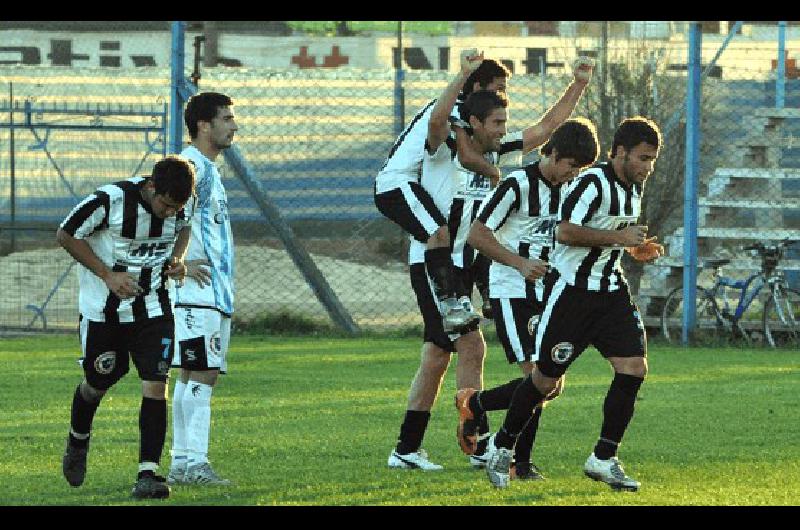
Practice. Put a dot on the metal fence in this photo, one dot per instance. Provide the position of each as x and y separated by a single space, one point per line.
315 138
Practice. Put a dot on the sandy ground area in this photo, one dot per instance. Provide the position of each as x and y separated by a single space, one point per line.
266 279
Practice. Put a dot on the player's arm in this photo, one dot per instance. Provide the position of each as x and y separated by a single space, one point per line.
483 239
176 268
471 159
584 236
537 134
119 283
439 124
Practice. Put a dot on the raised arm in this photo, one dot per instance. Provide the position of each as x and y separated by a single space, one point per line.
471 159
538 134
439 125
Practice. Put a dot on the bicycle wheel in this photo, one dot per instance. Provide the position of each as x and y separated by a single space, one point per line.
707 315
782 318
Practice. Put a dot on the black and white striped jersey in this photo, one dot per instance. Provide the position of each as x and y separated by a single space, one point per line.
596 199
404 163
122 231
522 212
459 193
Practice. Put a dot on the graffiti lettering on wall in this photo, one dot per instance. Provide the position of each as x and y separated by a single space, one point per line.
125 50
61 53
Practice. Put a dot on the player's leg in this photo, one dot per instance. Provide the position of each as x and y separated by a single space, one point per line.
480 271
414 210
104 362
558 343
185 320
203 350
408 454
427 380
622 340
151 349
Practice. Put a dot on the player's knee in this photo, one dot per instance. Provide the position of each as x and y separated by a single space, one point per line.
635 366
557 390
91 394
154 389
544 384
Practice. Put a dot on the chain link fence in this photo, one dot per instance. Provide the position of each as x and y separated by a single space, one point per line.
316 137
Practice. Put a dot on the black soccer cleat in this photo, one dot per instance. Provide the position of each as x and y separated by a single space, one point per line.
73 465
150 486
525 471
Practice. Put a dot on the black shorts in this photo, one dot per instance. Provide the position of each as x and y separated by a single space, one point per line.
429 308
515 322
107 348
411 207
575 318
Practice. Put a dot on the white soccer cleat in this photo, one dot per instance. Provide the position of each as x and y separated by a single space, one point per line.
418 460
176 475
609 471
498 464
457 315
203 475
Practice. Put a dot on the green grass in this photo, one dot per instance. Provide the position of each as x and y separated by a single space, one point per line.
310 421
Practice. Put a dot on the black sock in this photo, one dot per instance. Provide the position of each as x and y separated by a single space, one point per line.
81 417
412 431
480 268
497 398
439 265
483 428
152 429
617 414
525 440
526 398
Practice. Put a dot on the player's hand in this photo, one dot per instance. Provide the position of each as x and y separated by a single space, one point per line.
470 60
532 269
582 69
176 270
122 284
199 270
632 236
648 251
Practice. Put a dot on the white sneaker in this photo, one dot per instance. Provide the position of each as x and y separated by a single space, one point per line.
177 474
609 471
456 315
203 475
498 463
418 460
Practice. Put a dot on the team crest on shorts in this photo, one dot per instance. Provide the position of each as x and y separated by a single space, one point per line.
562 352
163 368
215 344
104 364
534 320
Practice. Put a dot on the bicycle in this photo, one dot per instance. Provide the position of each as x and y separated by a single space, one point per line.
780 319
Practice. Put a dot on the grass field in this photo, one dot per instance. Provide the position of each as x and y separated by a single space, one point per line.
311 421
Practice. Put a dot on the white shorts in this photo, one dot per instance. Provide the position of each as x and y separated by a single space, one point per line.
202 336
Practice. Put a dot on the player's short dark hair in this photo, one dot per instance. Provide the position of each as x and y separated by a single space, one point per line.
203 107
575 138
485 74
174 176
482 103
633 131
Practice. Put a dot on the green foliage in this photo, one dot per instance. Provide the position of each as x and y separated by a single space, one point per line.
311 421
354 27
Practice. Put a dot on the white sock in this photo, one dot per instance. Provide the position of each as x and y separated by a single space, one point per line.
178 450
197 411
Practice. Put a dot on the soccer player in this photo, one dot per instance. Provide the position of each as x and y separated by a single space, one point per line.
587 301
400 197
129 238
515 229
204 304
459 192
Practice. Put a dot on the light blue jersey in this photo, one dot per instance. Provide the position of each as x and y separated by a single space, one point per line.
212 240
